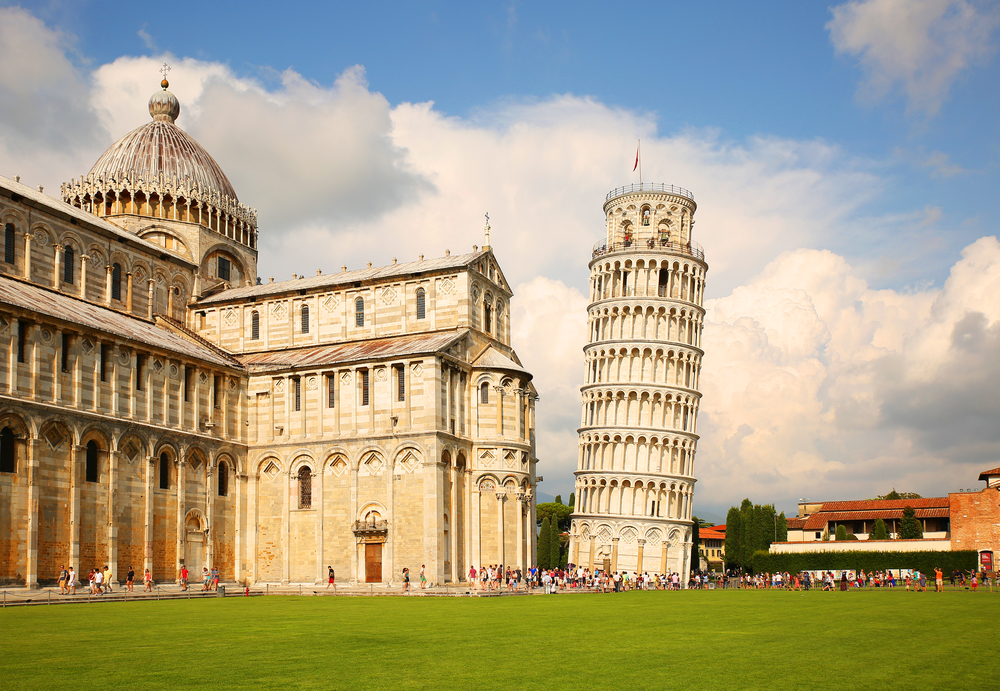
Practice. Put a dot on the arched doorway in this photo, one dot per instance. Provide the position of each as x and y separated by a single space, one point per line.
194 550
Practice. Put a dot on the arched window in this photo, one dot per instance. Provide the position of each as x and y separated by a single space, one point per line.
645 215
223 479
421 303
487 317
8 243
305 488
8 451
69 257
255 325
116 281
305 319
91 461
359 312
484 393
164 471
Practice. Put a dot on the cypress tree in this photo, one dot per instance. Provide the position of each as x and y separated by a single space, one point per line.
879 531
572 500
695 559
909 528
841 532
746 534
733 523
558 499
555 546
782 527
544 541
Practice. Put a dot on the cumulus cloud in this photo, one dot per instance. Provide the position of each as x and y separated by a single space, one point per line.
817 385
918 47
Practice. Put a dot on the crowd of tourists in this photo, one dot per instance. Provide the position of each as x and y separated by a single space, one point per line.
908 579
100 580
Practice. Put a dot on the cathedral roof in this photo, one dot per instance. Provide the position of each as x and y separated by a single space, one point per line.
344 278
491 358
130 329
162 150
353 351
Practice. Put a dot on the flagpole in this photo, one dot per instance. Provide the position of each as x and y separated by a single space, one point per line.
639 155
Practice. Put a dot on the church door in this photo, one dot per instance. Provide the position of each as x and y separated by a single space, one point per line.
194 555
373 563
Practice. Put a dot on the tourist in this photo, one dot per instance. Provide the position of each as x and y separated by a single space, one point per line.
923 581
71 581
938 580
129 578
205 579
215 578
184 577
472 576
97 580
107 578
63 579
330 579
406 580
975 581
423 577
147 580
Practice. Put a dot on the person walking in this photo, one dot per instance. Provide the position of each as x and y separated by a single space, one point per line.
406 580
184 577
330 579
215 578
63 579
938 580
205 579
71 581
147 580
98 581
472 576
923 581
423 577
107 578
129 578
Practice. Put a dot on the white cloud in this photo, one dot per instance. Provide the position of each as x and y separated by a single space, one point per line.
916 46
811 378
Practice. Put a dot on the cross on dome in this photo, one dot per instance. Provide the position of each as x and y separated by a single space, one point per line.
163 71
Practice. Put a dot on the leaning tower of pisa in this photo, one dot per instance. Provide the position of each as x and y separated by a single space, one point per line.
638 434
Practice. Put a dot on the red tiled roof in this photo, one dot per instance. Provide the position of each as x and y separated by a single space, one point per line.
883 504
818 521
796 523
987 474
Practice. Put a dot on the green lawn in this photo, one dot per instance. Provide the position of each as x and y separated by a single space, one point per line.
641 640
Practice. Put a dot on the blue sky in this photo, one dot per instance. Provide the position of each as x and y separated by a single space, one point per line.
844 154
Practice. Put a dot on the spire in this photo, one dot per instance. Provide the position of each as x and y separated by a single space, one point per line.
486 243
163 105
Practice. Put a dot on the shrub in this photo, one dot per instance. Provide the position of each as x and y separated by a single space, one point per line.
909 527
925 561
841 533
879 531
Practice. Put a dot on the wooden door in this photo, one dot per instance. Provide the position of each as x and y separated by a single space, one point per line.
373 563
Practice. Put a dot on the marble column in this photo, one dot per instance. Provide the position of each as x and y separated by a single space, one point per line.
34 491
614 554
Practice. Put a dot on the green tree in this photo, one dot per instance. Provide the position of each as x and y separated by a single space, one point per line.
841 533
555 512
746 534
572 501
898 495
695 561
544 544
909 528
558 499
555 546
879 531
782 527
733 528
826 535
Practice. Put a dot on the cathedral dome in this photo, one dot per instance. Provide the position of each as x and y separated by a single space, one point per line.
162 150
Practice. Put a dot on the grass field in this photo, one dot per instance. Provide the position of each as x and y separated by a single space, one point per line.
639 640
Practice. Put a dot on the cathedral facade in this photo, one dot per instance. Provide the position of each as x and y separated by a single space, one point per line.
638 429
160 406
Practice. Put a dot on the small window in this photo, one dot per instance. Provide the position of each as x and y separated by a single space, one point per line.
487 317
223 479
140 362
305 488
104 362
359 312
224 267
297 384
217 391
68 264
8 243
305 319
8 451
484 393
421 303
67 340
91 461
164 471
22 338
116 281
400 382
364 387
331 390
255 325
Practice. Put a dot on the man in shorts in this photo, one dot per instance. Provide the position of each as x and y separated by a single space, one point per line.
184 578
938 580
423 577
63 580
330 579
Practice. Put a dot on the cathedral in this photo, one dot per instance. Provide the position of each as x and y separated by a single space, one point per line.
161 406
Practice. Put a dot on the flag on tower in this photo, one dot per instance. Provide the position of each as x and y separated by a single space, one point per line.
636 158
